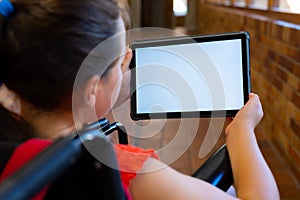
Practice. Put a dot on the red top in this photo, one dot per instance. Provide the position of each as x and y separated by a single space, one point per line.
130 159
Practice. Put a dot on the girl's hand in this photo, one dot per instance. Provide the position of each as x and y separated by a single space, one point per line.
249 116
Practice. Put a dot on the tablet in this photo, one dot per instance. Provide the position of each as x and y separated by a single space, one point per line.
190 76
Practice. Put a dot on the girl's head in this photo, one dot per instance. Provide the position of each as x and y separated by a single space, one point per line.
44 42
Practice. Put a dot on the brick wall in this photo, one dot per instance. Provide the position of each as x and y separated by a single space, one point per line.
275 68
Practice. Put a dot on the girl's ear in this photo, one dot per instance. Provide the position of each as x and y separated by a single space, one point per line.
91 91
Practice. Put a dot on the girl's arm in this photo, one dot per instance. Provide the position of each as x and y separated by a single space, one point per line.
253 178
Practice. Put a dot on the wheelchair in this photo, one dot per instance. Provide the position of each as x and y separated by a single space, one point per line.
63 162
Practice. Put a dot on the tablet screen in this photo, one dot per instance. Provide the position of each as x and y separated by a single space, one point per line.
198 77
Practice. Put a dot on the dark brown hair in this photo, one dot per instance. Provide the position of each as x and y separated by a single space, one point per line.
44 42
42 46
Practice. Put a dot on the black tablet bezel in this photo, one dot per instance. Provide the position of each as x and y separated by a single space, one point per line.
245 42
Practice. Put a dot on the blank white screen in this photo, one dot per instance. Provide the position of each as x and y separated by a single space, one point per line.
189 77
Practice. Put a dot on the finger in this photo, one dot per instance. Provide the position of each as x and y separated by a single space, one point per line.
127 59
253 95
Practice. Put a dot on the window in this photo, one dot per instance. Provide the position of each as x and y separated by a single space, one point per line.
289 6
240 3
180 7
259 4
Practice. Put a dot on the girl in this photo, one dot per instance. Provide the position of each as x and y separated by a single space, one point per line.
44 42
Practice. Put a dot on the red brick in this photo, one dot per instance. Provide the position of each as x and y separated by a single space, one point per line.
294 53
294 36
276 31
296 99
293 81
294 155
284 62
296 70
295 127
